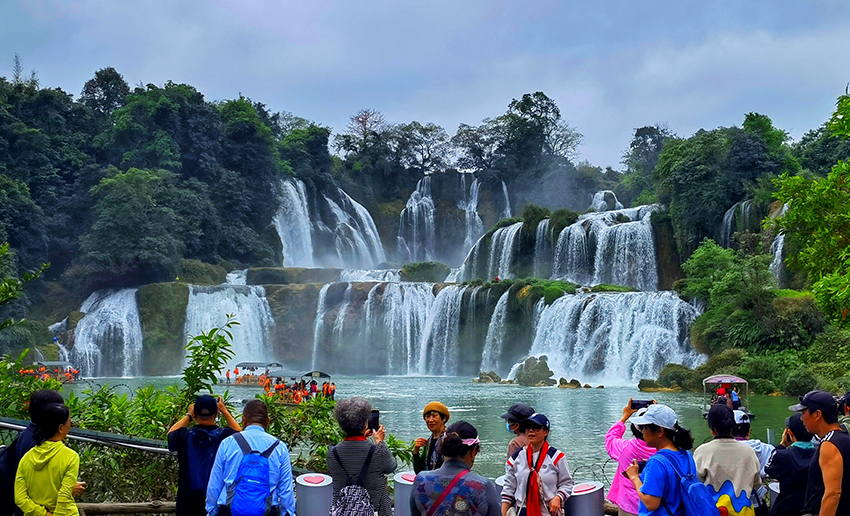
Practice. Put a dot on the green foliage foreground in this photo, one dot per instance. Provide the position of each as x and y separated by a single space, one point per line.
125 475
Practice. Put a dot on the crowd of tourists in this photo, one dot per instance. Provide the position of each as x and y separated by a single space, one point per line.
276 387
63 374
241 470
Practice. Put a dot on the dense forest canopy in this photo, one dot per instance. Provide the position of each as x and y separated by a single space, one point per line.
116 187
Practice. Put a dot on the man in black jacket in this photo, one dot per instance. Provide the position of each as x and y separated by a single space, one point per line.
790 466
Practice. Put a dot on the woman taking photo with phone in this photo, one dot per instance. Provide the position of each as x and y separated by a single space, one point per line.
658 485
356 460
47 474
537 479
624 451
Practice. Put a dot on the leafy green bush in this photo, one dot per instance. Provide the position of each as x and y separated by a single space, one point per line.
429 272
800 382
604 287
675 375
561 219
531 217
762 386
201 273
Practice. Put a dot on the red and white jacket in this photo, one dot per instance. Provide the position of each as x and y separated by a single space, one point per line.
555 478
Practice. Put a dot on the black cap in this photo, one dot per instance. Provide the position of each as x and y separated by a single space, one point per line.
206 406
795 424
518 412
535 420
817 400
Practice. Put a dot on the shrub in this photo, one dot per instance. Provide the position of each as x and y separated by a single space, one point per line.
561 219
531 217
201 273
762 386
647 384
800 382
673 375
429 272
833 345
604 287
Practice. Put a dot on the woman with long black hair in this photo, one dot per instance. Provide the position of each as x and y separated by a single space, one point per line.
47 474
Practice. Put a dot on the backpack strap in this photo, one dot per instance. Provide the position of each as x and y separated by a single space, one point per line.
365 465
446 492
243 443
675 470
268 452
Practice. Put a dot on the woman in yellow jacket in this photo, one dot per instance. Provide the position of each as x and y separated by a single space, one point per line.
48 473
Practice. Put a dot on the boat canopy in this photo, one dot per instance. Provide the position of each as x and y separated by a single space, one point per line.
724 378
300 374
258 365
54 363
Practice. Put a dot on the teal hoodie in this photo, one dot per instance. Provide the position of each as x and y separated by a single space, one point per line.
45 480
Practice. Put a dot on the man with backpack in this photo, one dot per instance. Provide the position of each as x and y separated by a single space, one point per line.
252 475
196 447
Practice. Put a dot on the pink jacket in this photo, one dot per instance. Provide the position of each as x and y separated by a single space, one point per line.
624 451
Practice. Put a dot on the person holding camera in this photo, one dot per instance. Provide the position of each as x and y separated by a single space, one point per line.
356 461
790 466
196 447
624 451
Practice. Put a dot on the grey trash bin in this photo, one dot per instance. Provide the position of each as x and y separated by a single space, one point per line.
403 487
588 499
500 484
314 493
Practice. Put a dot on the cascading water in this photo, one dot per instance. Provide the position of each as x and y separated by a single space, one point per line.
416 230
319 324
502 251
777 266
615 338
469 205
356 239
237 277
495 335
108 340
605 200
438 349
293 224
618 246
543 250
506 213
381 275
742 216
209 306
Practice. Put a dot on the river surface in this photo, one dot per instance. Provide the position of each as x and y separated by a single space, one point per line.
580 417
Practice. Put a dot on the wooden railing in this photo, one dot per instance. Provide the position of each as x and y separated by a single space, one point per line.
155 507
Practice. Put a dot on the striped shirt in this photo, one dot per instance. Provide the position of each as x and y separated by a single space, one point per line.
353 455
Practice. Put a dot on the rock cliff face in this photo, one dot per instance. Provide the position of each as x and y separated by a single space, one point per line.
162 314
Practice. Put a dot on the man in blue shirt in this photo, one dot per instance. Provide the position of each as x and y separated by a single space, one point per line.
255 420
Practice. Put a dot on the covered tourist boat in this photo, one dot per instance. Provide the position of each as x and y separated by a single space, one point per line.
724 388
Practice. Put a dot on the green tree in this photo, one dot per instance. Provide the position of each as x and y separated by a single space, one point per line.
422 147
105 92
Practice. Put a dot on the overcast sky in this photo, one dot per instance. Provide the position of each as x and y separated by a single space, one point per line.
610 65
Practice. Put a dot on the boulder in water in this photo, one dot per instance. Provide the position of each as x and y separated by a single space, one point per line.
600 386
572 384
487 377
587 386
535 372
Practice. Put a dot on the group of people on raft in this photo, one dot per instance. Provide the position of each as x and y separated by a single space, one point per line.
295 392
66 374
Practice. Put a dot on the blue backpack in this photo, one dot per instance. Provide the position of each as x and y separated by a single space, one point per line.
250 494
696 497
201 446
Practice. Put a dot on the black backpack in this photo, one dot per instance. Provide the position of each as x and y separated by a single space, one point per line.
353 499
8 468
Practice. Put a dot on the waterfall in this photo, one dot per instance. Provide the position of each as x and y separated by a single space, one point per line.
356 239
108 340
405 309
209 306
727 229
614 247
507 211
438 349
381 275
615 338
495 335
503 251
777 266
543 251
416 230
293 224
605 200
237 277
469 205
319 324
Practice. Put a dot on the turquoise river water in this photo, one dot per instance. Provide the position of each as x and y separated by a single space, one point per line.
580 417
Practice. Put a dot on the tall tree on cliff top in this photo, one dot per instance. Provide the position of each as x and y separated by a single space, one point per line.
423 147
105 92
636 186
